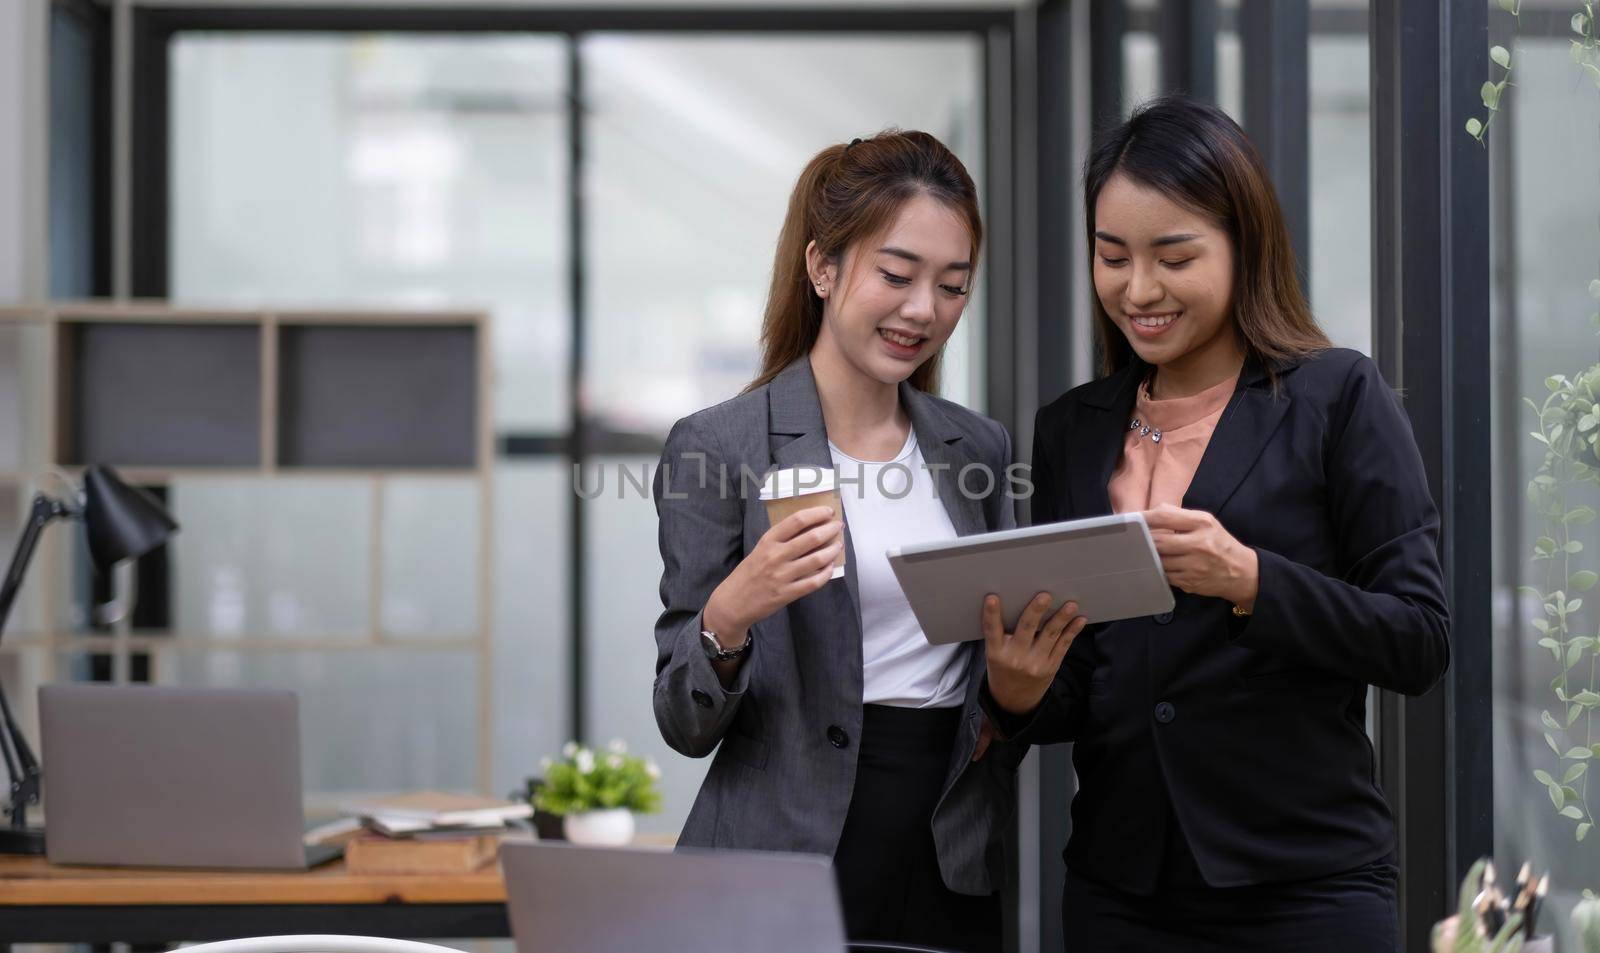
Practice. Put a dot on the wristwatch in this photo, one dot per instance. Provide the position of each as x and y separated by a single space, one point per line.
714 650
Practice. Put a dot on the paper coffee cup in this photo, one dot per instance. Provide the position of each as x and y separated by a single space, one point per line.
786 492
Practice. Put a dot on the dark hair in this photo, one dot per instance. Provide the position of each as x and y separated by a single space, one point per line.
1194 154
848 193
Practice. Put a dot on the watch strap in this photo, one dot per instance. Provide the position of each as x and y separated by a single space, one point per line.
714 650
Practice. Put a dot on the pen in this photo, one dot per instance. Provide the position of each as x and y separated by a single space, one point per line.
1534 904
1497 911
1519 905
1487 903
1481 907
1523 892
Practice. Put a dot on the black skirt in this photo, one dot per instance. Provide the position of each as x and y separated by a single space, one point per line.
1342 913
886 864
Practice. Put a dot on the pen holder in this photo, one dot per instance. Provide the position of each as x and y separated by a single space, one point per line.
546 825
1444 940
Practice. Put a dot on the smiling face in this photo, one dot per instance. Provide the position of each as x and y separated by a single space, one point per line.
891 302
1164 274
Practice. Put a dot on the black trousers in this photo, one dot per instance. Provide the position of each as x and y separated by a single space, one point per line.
1342 913
887 869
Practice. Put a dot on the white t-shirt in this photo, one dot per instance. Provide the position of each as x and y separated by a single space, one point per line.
888 504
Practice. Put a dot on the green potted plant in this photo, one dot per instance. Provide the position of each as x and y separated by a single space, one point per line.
596 794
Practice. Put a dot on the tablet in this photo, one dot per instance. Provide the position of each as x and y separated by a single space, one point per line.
1108 564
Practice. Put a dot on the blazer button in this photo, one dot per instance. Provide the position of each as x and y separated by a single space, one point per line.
837 737
701 698
1163 618
1165 712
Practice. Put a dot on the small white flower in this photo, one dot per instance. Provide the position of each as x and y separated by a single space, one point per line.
613 761
651 769
585 759
544 764
569 750
618 746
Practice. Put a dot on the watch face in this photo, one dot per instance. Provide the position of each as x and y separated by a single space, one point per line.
714 649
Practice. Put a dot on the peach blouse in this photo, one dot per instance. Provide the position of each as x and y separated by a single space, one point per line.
1155 471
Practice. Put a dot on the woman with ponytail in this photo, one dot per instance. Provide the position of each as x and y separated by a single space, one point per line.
837 729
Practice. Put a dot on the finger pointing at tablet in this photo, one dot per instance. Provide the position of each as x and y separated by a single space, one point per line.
1024 661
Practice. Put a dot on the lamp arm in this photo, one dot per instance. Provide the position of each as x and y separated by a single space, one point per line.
44 510
21 765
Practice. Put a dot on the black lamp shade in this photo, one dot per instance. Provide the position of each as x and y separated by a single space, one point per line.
121 522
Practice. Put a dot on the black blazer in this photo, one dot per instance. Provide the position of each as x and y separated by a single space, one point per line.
1250 732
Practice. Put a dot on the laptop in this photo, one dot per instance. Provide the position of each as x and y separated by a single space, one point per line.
567 899
137 775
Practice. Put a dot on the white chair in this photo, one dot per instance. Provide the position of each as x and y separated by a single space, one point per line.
313 943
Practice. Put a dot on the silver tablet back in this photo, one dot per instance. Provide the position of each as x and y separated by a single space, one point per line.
1108 564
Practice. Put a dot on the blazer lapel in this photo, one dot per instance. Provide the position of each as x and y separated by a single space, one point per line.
798 438
1098 439
1247 424
945 453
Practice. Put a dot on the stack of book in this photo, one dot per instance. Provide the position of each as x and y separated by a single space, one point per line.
427 832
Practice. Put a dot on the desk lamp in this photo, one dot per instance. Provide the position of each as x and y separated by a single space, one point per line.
121 523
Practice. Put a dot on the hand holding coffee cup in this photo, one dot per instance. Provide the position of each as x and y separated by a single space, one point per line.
798 555
787 492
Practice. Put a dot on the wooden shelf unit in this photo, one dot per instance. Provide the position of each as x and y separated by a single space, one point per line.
142 348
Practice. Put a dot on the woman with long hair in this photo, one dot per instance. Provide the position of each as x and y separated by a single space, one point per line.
837 728
1227 792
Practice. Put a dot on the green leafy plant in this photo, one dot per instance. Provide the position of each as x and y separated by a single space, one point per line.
1491 91
1569 428
1585 53
584 780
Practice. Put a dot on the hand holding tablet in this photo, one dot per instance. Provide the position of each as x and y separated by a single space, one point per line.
1024 661
1107 565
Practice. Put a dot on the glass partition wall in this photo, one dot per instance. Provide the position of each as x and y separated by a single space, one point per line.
611 201
1546 245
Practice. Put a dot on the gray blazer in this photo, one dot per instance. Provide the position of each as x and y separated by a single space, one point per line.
785 732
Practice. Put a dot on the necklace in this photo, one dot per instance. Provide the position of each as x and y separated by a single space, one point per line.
1144 430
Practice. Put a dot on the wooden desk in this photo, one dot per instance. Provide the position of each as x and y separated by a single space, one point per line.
41 903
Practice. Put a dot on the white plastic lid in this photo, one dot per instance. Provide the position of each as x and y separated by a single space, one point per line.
797 481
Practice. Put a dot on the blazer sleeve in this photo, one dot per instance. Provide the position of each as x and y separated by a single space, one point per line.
701 539
1060 713
1005 516
1385 620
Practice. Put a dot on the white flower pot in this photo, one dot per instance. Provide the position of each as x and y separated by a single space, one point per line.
608 828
